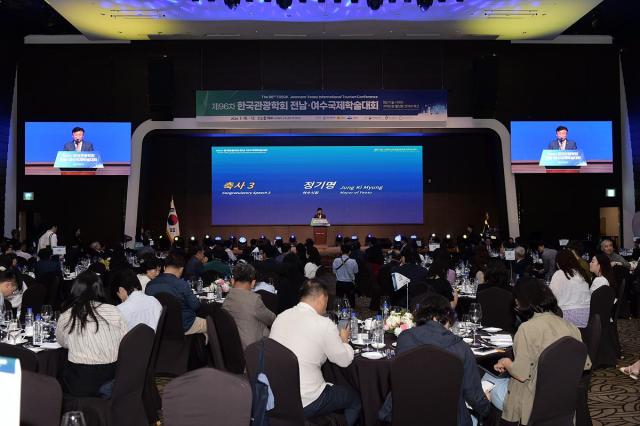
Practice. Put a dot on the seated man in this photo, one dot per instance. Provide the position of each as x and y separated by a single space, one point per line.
218 259
194 267
314 338
246 307
607 248
514 395
136 307
434 320
170 282
45 264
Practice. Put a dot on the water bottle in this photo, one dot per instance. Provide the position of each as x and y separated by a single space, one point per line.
354 326
199 285
345 302
385 311
38 332
28 323
379 331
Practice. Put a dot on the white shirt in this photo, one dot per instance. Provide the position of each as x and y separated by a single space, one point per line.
313 339
310 270
597 283
144 280
266 287
141 309
345 268
23 254
47 239
571 294
91 347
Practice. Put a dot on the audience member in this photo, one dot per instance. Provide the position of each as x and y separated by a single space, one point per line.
170 282
548 256
246 307
600 266
314 339
91 330
151 268
218 261
194 267
606 246
570 287
313 263
136 307
345 269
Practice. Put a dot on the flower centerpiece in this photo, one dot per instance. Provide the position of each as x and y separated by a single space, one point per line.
223 284
399 321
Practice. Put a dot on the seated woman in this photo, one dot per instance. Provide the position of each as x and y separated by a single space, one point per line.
437 283
91 330
600 266
570 286
434 320
514 394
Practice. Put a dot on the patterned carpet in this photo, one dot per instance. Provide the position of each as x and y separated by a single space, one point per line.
614 399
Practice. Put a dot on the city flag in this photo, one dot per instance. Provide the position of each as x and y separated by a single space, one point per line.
173 225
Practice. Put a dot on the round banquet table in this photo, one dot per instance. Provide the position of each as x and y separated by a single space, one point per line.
372 378
51 361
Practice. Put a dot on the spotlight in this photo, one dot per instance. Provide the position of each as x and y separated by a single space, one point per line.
354 237
414 237
292 238
278 238
284 4
433 235
464 236
192 238
232 237
339 239
448 236
422 4
397 238
218 238
242 240
374 4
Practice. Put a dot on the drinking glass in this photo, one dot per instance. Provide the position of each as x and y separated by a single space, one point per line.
475 312
46 312
13 331
73 418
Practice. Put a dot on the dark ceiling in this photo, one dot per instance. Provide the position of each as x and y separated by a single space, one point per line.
18 18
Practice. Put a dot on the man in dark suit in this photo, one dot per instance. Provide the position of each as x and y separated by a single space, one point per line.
561 141
78 143
320 214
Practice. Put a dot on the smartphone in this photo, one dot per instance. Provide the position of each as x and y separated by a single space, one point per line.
343 323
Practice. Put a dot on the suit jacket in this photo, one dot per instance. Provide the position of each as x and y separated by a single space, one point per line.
250 314
86 146
556 145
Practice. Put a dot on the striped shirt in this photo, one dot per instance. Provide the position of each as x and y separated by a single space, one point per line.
91 347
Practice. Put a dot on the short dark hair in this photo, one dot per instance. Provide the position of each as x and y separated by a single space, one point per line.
9 276
269 250
345 248
151 263
313 288
560 128
410 255
126 279
434 305
175 260
77 129
244 272
319 208
533 295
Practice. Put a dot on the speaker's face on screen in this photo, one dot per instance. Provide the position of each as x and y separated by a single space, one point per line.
562 135
78 136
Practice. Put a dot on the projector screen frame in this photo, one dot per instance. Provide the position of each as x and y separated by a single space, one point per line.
324 128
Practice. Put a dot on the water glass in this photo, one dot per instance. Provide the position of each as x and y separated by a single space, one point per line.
73 418
46 312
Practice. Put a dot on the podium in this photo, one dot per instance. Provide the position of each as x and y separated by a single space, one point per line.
562 159
78 163
320 230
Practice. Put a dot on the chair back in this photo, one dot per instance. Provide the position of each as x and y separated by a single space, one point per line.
617 306
426 373
592 336
52 282
281 368
150 394
270 300
214 345
560 368
33 298
497 308
602 304
28 359
172 329
40 400
185 401
126 406
229 341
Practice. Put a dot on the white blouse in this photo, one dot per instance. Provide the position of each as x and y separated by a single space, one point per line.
571 293
597 283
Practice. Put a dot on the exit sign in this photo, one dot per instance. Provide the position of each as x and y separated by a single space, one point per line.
28 196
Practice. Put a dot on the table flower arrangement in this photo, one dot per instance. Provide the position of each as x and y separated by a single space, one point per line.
223 284
399 321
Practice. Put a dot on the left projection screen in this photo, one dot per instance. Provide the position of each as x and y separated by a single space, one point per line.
284 185
95 148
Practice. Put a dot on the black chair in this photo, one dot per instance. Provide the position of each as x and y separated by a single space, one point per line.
40 400
52 282
281 368
28 359
560 369
214 346
125 407
33 298
270 300
497 308
229 341
424 374
617 313
591 337
602 304
174 346
186 402
150 395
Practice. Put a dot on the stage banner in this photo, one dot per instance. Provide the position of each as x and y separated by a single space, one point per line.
321 105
